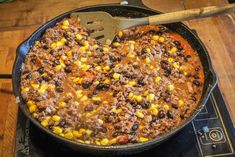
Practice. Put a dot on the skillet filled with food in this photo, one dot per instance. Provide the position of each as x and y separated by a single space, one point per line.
117 97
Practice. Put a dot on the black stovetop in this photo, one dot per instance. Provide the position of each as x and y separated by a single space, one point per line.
211 133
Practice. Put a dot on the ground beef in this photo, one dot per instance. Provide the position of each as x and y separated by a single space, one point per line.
143 85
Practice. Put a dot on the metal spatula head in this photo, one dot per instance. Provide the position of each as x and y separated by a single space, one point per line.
101 25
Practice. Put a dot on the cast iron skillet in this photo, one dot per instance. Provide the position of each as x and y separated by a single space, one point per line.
125 11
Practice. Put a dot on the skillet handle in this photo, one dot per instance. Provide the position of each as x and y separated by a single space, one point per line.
5 76
190 14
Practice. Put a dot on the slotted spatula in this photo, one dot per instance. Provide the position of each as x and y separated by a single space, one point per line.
103 26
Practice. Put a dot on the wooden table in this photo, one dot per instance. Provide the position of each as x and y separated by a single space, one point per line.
20 18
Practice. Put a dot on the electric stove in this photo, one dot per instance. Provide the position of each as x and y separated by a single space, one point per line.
211 133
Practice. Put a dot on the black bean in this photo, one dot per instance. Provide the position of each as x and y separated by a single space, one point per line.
141 81
117 39
188 56
161 114
135 127
133 103
193 98
117 133
167 99
86 84
52 52
62 122
67 43
154 118
57 83
198 68
88 108
45 47
145 105
99 49
175 106
170 114
79 42
179 47
180 55
41 70
102 86
182 116
177 43
196 83
66 35
46 78
143 51
59 89
28 76
112 58
68 69
43 40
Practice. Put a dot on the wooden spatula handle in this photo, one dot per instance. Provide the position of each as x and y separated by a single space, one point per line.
190 14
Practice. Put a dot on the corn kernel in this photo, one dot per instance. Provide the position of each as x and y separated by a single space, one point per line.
83 59
95 46
131 55
76 134
56 118
35 115
155 37
78 80
69 33
100 121
64 27
139 114
116 44
113 141
151 67
161 39
98 68
35 86
104 141
24 89
57 130
87 142
82 49
79 36
86 43
105 102
65 23
148 50
59 44
157 79
105 49
172 50
120 34
106 68
89 53
132 46
63 40
68 135
81 141
96 98
30 103
84 98
119 110
135 63
141 127
88 132
150 97
143 139
130 95
96 82
82 130
76 103
176 66
146 93
166 107
85 67
61 104
138 98
155 111
44 123
132 83
147 60
51 86
97 143
53 45
58 67
64 57
116 76
32 108
131 41
107 81
171 87
62 134
37 43
185 73
180 102
170 60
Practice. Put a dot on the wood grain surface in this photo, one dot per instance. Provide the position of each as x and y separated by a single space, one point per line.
21 17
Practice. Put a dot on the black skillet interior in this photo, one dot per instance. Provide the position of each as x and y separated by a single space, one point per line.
124 11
